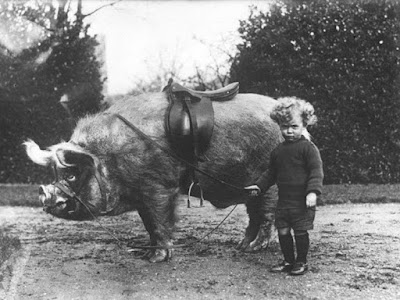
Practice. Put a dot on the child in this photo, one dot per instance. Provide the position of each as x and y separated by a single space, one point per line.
296 167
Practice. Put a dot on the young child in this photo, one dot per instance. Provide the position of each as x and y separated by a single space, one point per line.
296 168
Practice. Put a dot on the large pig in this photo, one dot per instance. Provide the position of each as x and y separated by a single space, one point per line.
108 168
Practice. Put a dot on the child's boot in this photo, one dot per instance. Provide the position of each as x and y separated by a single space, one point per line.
302 246
286 243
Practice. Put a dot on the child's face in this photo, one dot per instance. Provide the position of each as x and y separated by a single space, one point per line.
293 129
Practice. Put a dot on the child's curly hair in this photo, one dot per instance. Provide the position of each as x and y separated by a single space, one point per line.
283 111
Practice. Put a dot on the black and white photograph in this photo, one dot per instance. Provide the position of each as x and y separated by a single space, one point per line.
205 149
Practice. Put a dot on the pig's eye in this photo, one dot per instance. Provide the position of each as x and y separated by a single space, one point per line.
71 177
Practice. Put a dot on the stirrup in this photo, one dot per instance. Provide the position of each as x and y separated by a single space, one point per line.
190 191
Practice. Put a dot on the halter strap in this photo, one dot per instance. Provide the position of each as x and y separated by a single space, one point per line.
66 189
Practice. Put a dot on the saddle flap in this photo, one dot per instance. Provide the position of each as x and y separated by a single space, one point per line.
190 125
189 121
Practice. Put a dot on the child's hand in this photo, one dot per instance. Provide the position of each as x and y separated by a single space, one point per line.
253 190
311 199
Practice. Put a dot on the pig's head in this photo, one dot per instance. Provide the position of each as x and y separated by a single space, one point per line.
78 191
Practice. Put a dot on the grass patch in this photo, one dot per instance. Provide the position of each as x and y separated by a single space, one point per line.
8 246
19 195
360 193
27 195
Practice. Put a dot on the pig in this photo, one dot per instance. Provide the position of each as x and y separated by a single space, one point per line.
107 168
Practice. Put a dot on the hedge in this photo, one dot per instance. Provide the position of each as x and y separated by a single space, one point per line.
30 92
45 122
343 57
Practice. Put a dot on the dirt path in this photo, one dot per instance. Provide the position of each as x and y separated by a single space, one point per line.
354 255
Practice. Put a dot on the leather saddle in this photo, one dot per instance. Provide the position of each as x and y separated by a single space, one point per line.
190 117
189 123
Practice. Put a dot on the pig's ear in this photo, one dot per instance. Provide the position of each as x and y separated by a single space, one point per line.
38 156
71 158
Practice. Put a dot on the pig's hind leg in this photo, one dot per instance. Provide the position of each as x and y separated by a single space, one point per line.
259 232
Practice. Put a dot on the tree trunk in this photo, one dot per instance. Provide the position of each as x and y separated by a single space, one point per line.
62 16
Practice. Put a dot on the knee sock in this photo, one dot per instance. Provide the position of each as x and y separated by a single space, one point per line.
286 243
302 246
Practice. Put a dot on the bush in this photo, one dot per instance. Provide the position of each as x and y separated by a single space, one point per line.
44 121
30 93
343 57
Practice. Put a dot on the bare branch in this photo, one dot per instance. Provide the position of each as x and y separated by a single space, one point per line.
101 7
61 14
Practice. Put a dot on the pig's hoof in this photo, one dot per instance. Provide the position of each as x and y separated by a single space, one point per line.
244 244
263 237
260 242
250 235
258 245
160 255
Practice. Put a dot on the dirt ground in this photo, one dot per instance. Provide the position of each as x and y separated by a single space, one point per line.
355 251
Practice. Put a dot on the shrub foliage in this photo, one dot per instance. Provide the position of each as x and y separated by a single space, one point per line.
343 57
33 81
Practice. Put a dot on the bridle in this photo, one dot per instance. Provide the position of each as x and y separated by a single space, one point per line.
72 195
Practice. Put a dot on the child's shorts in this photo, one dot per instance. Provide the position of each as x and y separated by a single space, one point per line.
295 218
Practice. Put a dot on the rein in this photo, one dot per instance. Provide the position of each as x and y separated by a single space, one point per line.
70 193
173 154
73 195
